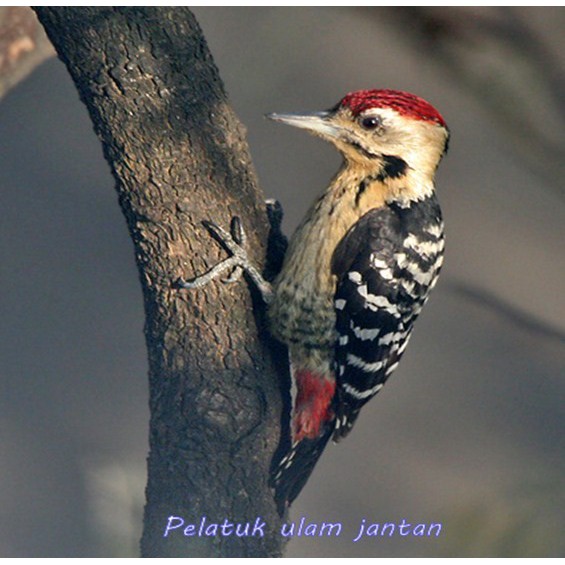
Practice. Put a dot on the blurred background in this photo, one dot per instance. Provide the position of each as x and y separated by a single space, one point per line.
469 432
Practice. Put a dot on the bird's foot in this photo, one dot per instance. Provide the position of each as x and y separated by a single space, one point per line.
274 213
234 241
277 243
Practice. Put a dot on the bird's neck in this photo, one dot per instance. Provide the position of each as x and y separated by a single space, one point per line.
360 187
356 189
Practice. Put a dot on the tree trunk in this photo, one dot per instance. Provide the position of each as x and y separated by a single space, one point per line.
178 154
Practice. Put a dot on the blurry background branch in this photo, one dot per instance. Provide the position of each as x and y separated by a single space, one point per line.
23 45
514 73
507 311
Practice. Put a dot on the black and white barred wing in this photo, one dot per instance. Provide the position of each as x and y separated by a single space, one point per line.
376 303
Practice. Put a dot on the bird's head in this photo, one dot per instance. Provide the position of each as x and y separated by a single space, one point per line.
385 133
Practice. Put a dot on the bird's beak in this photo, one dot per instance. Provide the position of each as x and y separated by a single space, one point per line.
316 122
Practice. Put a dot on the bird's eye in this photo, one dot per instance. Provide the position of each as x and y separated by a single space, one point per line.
371 122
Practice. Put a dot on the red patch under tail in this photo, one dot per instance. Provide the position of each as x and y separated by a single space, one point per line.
313 406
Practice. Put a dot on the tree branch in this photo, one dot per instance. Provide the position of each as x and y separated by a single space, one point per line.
178 155
23 45
497 56
505 310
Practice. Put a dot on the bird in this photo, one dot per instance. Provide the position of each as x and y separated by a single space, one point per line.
357 270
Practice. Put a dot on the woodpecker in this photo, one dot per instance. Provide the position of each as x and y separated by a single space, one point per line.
357 271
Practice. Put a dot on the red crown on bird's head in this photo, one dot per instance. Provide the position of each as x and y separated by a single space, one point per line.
404 103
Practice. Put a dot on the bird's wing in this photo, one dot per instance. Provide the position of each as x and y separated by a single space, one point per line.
374 311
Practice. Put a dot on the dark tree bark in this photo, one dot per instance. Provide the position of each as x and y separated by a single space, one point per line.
178 155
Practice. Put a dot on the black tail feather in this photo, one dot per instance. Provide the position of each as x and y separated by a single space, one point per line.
345 419
292 469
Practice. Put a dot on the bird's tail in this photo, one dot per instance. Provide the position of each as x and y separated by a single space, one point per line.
345 418
291 471
310 425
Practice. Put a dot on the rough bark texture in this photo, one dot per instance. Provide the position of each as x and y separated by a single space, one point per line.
178 154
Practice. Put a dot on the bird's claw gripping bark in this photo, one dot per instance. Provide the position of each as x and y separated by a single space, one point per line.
234 241
274 213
